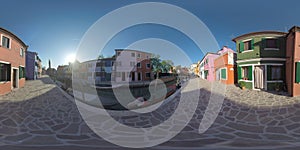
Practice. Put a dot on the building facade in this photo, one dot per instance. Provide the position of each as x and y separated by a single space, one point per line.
261 58
33 66
293 61
225 66
12 61
132 66
207 62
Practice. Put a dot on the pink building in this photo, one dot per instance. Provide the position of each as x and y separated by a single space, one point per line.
208 63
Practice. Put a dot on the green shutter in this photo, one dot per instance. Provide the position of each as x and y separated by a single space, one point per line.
278 42
297 72
263 42
239 72
223 73
241 46
250 73
20 72
269 73
252 44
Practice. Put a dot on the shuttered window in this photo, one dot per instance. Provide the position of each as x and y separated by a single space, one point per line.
5 72
241 47
250 73
297 75
21 72
239 69
223 74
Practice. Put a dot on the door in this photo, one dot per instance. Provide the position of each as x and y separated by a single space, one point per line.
218 75
123 76
15 78
132 76
259 77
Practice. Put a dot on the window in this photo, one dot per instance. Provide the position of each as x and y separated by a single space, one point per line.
118 74
139 55
274 73
139 76
148 75
245 73
271 43
5 42
132 54
297 72
5 72
118 53
224 73
21 52
246 45
138 65
148 65
21 72
132 63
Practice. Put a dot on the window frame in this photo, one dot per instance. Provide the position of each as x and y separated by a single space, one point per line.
139 65
226 74
271 48
9 38
8 72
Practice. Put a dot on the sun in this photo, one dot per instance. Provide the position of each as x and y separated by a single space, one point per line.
70 58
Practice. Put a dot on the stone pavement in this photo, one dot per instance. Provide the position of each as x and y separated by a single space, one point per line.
42 116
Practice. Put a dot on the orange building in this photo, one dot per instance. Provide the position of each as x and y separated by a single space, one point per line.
225 66
12 62
293 61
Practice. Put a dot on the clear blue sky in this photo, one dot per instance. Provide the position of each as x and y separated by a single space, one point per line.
53 28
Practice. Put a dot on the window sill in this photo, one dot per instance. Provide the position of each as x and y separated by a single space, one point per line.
274 81
245 51
271 49
246 80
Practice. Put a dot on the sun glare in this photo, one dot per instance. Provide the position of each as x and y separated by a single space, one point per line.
70 58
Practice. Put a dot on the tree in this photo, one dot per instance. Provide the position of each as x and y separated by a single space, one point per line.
166 66
101 56
159 65
156 64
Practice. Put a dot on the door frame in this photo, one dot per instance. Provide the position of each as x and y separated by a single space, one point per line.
16 76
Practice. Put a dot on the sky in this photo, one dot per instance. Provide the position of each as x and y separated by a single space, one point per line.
54 28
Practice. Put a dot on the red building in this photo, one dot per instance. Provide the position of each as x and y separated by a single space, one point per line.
293 61
12 62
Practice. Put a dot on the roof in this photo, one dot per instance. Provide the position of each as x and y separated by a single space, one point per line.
13 35
258 33
294 29
207 54
131 50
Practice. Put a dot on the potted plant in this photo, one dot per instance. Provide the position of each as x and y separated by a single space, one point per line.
277 86
242 85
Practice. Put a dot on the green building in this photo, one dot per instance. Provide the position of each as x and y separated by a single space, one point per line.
261 60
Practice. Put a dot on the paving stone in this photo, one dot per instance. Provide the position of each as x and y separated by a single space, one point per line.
9 122
42 132
278 137
4 130
246 128
18 138
72 137
59 126
276 130
248 135
42 140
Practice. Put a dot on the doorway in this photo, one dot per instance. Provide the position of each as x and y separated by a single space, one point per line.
15 78
132 76
259 77
123 76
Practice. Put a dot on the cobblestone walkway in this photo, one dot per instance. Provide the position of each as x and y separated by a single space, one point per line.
40 115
